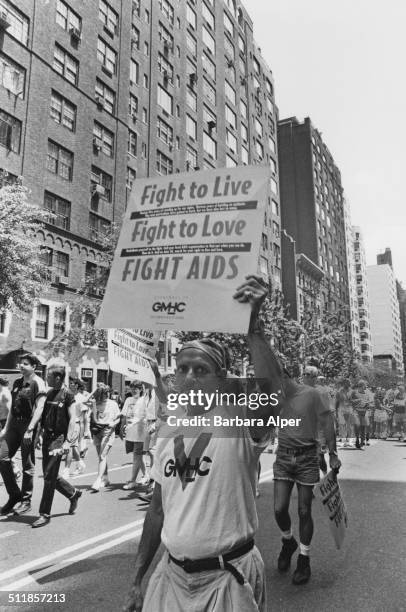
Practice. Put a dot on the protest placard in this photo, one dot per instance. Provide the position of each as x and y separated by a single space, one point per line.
128 350
334 507
187 241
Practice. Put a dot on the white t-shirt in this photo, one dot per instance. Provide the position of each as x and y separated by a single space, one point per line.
5 402
210 509
134 410
106 413
80 406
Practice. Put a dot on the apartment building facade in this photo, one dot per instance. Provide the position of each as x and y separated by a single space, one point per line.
312 204
362 295
95 94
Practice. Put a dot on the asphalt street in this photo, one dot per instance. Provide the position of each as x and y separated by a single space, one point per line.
88 557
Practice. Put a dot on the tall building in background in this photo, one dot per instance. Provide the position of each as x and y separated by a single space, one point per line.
352 286
362 295
385 258
401 294
94 94
312 205
385 317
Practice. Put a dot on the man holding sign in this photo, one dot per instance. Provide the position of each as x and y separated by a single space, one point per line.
297 461
203 505
187 241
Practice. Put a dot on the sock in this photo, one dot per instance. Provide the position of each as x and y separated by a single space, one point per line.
304 550
286 535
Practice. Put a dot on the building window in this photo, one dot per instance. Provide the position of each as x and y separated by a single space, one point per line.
263 265
146 48
228 24
191 44
209 66
60 208
231 117
208 40
145 81
191 157
230 92
63 111
229 49
258 127
209 92
191 99
259 149
167 9
271 144
144 115
66 65
230 162
134 72
241 44
244 155
98 227
165 36
244 132
272 165
42 322
132 105
165 100
12 76
164 165
106 56
60 263
98 177
231 141
191 127
208 15
243 109
275 208
10 132
105 94
108 16
191 16
59 321
209 145
132 143
209 118
131 176
104 139
18 22
165 67
164 132
275 229
59 161
67 18
135 41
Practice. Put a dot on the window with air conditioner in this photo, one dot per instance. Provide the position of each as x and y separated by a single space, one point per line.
10 132
12 76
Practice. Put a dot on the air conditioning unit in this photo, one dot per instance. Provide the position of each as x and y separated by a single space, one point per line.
243 80
61 280
99 102
98 189
75 34
167 46
97 143
230 63
257 91
4 21
211 125
170 145
192 79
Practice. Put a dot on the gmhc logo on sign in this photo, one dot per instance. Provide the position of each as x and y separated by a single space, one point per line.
170 308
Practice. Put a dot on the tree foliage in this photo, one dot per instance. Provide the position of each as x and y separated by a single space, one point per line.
23 277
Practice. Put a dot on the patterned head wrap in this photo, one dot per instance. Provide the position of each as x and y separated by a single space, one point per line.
211 348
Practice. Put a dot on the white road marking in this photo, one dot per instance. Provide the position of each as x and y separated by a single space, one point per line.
6 534
69 549
22 582
18 584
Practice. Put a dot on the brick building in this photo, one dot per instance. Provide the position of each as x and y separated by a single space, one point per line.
312 205
94 94
361 279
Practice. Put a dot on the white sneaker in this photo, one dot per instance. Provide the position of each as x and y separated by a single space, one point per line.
81 467
145 480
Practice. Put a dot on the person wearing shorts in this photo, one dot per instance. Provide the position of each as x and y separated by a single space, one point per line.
134 430
297 462
76 386
399 413
105 416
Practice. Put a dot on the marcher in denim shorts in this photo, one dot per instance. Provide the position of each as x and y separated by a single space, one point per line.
297 465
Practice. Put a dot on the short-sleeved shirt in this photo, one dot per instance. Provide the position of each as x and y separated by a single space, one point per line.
24 396
80 407
208 481
106 412
361 401
134 411
5 403
55 416
399 405
307 405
